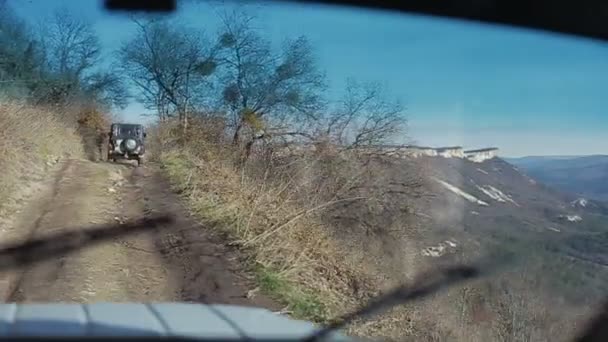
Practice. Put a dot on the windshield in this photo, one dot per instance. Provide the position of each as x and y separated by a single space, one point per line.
312 157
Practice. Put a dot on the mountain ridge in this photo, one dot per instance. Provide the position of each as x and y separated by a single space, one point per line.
582 175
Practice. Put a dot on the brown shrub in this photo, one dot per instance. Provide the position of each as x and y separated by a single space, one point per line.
93 126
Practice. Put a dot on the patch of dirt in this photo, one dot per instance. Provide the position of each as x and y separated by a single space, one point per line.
34 192
180 262
206 269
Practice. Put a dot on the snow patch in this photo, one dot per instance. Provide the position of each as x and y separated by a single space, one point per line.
439 250
474 213
580 202
483 171
571 218
553 229
459 192
496 194
450 243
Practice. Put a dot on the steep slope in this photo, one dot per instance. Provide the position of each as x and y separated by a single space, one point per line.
467 210
492 208
585 176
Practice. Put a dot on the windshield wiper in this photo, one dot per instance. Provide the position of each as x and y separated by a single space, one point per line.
17 255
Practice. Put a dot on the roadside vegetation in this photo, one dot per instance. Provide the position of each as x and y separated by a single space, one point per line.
32 139
54 98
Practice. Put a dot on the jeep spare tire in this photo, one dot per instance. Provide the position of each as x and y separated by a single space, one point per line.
130 144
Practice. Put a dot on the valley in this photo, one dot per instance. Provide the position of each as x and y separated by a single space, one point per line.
586 176
501 210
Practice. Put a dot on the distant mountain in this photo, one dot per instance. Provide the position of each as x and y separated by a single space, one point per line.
585 176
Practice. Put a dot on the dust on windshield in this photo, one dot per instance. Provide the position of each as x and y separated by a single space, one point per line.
312 158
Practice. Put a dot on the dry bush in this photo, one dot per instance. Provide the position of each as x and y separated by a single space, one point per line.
161 138
292 253
325 230
203 131
30 139
505 308
371 211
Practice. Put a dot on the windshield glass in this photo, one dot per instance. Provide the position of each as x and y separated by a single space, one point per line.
314 157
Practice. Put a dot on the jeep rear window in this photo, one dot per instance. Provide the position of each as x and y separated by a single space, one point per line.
127 130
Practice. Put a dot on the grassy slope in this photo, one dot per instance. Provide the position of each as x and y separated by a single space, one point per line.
30 140
293 259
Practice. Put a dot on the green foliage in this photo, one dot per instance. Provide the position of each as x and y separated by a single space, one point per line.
302 305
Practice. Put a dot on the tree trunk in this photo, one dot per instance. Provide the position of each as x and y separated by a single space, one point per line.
185 118
236 137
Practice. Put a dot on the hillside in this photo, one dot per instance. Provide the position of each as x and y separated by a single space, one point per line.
489 209
493 211
585 176
495 206
428 207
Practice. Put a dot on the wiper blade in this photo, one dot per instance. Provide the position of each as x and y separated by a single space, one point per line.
16 255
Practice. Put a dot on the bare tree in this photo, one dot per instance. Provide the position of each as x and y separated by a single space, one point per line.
265 92
169 65
70 44
363 117
106 88
20 55
71 54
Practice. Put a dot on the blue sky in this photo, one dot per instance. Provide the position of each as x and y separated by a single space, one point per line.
526 92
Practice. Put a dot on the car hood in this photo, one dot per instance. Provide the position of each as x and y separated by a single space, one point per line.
196 321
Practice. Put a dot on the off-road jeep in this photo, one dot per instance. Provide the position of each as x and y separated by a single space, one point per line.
126 142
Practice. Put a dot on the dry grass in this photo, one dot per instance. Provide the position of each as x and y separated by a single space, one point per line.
291 253
31 139
280 213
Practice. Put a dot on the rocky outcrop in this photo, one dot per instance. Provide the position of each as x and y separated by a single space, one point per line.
405 151
419 151
450 152
480 155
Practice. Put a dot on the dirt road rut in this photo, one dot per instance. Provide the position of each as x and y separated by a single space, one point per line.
180 262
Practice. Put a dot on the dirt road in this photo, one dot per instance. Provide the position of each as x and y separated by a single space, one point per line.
183 261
